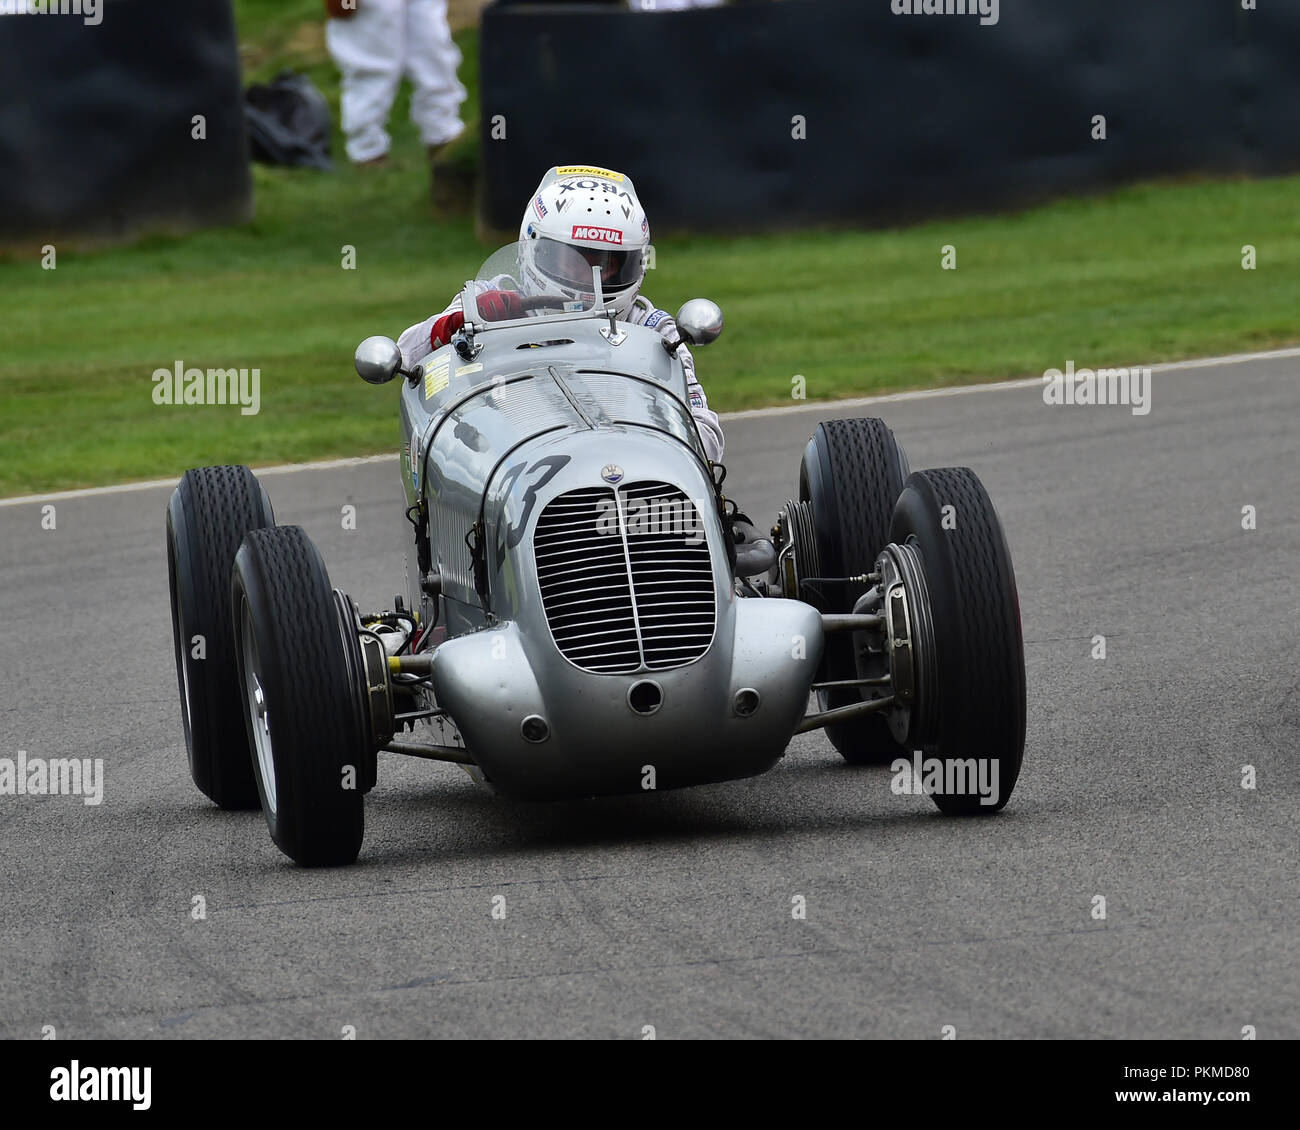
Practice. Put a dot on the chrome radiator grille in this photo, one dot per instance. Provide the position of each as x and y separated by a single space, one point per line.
626 578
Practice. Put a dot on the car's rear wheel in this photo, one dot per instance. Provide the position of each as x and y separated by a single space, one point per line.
207 516
301 698
979 652
852 473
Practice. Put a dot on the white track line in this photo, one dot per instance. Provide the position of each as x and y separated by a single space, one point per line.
124 488
746 414
991 386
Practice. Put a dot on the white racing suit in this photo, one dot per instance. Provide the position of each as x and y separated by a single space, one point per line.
415 345
373 49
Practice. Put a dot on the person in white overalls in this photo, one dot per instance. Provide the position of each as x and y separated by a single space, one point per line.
375 43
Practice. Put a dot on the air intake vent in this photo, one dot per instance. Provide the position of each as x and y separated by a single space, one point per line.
626 578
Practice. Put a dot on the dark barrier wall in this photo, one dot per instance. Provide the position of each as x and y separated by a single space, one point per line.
906 116
96 120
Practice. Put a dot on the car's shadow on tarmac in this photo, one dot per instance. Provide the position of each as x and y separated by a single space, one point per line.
451 819
470 822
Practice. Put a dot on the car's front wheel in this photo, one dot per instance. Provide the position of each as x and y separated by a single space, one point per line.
301 698
976 721
207 516
852 473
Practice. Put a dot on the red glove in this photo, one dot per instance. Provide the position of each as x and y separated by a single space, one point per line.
494 305
444 329
498 305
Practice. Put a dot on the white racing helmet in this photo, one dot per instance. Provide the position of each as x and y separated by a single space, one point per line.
582 217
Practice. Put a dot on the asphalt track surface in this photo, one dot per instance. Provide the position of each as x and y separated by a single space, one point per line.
675 910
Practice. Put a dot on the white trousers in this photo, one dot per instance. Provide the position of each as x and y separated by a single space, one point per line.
373 50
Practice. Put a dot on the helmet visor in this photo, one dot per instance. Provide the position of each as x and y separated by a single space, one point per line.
571 266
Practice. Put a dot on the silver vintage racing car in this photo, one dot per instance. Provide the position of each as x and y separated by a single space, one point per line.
583 615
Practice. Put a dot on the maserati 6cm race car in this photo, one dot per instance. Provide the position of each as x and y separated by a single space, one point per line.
579 618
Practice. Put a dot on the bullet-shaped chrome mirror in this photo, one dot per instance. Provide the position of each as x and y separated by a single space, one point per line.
378 360
699 321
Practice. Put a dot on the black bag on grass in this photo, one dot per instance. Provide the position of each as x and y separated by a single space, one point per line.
288 122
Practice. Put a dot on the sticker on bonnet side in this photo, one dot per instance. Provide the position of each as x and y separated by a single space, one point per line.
437 375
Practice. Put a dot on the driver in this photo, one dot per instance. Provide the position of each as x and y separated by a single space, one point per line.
580 217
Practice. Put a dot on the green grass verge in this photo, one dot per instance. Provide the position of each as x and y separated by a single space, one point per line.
1144 274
